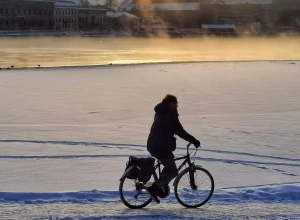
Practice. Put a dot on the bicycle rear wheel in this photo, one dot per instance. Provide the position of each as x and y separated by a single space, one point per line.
133 193
194 187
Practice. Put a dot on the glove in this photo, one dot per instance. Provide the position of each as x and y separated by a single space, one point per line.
196 143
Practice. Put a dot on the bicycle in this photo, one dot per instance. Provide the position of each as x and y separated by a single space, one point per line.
188 182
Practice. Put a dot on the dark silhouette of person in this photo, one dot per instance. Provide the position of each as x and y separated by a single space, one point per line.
162 141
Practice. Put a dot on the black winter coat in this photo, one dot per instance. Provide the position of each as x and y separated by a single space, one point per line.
166 124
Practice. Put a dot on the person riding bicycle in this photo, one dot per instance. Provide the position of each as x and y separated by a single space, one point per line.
161 141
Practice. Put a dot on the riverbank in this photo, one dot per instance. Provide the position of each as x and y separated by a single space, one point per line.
105 66
64 34
181 33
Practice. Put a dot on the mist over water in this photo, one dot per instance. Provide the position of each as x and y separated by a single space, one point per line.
78 51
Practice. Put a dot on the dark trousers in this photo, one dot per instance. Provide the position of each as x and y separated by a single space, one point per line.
168 173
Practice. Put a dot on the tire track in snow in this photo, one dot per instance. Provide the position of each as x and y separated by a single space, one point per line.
137 146
80 143
68 156
228 161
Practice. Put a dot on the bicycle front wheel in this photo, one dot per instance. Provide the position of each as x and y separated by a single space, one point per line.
194 187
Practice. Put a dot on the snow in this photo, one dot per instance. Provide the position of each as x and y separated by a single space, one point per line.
129 15
111 210
273 193
66 134
65 4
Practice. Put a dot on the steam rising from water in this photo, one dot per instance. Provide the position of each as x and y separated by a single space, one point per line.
49 52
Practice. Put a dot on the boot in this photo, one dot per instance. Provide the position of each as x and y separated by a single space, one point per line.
152 190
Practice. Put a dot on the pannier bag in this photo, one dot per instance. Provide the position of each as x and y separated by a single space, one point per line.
143 168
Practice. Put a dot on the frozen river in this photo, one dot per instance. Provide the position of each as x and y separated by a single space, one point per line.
66 134
68 51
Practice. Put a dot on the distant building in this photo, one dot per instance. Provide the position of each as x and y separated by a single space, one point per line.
195 13
243 13
26 15
180 14
287 13
66 16
129 22
287 5
111 21
91 18
122 21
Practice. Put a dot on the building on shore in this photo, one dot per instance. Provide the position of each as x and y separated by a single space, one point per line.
247 15
287 14
26 15
122 21
129 22
91 18
179 14
66 16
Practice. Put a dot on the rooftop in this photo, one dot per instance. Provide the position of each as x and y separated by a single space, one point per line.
65 4
119 14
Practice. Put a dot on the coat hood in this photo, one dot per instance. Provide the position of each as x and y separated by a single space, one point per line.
162 108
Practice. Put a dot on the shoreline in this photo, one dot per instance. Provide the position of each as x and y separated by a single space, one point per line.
105 66
183 33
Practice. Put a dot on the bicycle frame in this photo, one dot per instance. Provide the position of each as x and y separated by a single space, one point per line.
187 160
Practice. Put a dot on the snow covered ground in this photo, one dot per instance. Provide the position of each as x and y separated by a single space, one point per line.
66 134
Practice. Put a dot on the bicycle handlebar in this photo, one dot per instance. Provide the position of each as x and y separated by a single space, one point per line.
191 144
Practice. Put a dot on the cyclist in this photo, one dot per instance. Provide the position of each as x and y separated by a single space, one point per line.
161 141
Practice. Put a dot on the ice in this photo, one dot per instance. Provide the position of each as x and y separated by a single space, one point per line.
66 134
